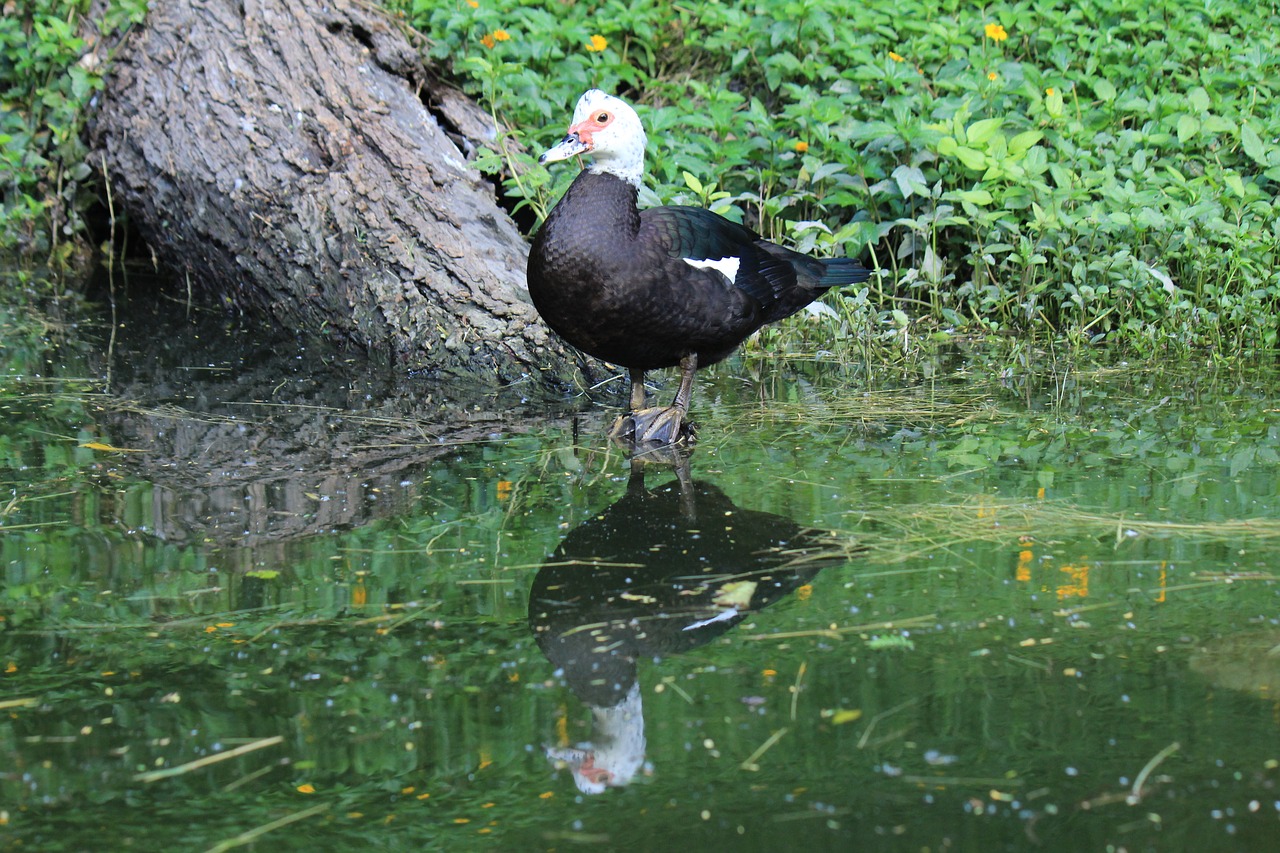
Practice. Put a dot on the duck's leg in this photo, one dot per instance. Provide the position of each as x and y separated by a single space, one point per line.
637 390
660 425
624 427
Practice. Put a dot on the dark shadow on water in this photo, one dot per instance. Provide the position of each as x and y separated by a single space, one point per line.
662 571
252 436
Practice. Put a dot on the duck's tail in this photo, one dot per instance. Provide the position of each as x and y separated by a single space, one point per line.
839 272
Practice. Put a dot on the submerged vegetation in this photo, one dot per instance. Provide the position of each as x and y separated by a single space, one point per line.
1094 169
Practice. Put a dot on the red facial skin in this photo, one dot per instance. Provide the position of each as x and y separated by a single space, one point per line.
584 129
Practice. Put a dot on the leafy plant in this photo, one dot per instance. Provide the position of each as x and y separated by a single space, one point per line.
1088 169
51 66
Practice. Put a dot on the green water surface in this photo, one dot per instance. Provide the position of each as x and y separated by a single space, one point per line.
985 606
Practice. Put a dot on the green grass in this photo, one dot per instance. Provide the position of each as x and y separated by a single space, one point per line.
1094 170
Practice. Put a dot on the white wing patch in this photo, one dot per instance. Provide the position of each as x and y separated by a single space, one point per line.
727 267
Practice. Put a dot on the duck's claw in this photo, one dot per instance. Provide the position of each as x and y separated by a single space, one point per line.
658 425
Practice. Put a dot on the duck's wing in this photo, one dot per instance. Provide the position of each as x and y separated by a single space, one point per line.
779 280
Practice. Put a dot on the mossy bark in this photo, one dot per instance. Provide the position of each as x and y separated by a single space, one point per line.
296 159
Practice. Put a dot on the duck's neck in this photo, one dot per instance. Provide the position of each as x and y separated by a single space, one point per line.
605 201
629 170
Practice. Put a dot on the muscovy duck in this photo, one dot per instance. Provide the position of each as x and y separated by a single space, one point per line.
660 287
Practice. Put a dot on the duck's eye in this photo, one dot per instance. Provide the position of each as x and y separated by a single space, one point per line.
603 118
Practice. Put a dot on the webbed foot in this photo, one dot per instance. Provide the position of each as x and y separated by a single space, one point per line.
654 426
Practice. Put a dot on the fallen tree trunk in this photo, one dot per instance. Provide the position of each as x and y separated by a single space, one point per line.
280 155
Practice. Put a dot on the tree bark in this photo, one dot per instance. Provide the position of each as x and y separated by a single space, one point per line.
281 156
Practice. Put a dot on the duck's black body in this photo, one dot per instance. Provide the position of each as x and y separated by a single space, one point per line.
666 286
617 282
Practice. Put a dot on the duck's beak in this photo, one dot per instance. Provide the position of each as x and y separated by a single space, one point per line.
572 145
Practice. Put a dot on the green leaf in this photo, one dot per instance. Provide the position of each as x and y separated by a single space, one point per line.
911 181
1233 182
1104 90
1188 126
971 158
691 181
1252 145
981 131
1053 104
978 197
1199 99
1021 143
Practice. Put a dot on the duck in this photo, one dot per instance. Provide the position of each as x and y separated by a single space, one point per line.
670 286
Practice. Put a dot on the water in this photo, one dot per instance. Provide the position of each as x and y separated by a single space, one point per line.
257 595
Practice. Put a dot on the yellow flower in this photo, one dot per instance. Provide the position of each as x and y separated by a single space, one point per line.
306 789
995 32
487 41
501 35
474 4
1049 91
801 146
992 75
896 57
597 44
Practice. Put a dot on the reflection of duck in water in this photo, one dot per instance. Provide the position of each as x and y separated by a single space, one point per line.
661 571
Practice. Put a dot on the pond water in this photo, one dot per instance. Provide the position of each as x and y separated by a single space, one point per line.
254 595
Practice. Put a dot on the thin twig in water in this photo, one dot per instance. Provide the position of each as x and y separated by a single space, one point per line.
795 690
671 682
965 781
155 775
750 763
837 633
259 831
1135 793
247 778
866 734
